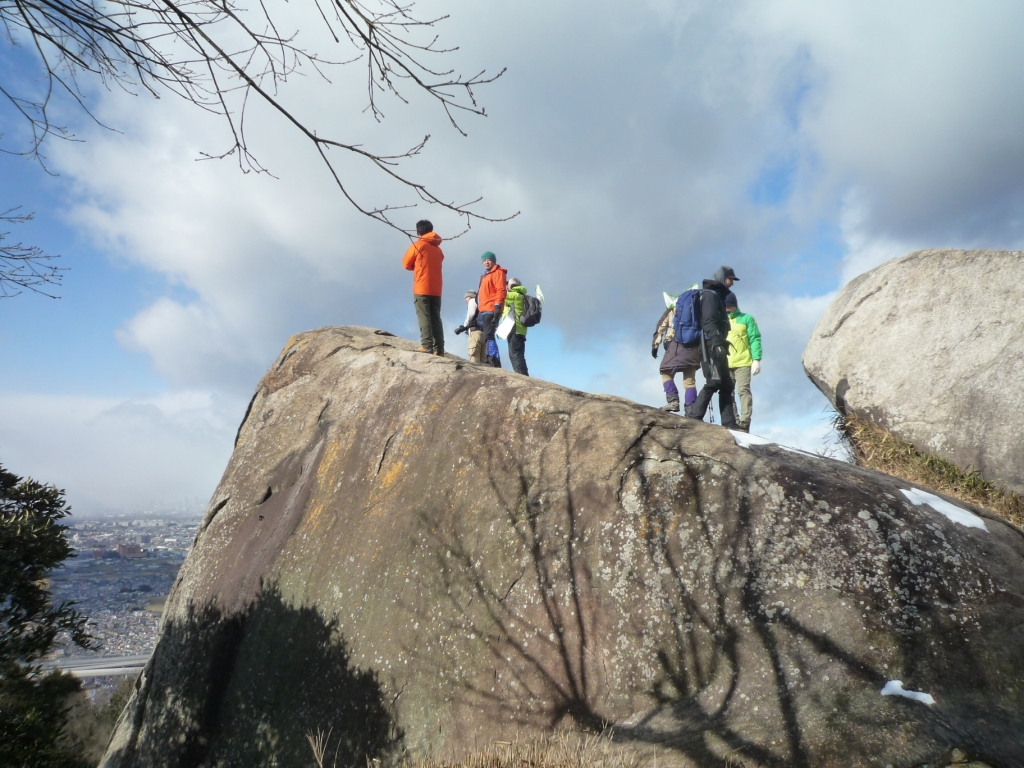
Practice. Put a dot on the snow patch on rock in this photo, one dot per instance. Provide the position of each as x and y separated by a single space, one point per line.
895 688
957 514
744 440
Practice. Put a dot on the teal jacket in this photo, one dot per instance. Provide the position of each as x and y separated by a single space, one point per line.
744 340
514 300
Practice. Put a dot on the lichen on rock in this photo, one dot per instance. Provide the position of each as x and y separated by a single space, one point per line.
426 555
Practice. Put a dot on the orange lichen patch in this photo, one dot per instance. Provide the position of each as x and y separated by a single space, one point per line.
392 474
413 428
281 375
293 347
315 522
329 464
382 489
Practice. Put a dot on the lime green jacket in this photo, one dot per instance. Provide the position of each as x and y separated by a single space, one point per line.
744 340
514 300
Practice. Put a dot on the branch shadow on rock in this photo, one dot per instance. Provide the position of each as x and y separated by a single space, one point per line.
710 622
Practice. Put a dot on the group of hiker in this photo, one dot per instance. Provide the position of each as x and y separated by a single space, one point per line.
498 308
703 330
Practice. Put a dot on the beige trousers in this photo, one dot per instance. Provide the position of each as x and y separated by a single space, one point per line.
741 377
476 345
689 377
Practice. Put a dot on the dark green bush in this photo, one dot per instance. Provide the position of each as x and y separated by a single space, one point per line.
34 706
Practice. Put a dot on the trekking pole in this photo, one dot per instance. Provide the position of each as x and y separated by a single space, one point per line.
711 412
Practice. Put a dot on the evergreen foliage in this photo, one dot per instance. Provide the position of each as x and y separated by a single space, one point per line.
33 705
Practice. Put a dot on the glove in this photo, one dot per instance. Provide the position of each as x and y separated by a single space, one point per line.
460 329
755 368
654 352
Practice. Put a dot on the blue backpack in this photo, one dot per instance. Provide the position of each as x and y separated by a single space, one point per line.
687 320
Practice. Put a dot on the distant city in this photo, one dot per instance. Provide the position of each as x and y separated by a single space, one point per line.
120 578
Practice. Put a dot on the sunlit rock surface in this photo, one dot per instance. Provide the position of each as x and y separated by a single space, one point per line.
931 347
424 554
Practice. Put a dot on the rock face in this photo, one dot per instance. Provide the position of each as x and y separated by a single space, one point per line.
931 347
424 554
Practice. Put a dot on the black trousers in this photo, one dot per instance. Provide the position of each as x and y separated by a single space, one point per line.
517 353
724 387
428 313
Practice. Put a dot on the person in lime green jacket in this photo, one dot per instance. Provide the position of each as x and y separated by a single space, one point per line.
514 302
744 356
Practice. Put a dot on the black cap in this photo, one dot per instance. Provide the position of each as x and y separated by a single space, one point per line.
730 272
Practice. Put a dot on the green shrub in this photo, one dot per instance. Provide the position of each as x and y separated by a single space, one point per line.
33 706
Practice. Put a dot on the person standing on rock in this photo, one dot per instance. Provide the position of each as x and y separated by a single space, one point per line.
514 302
476 336
424 259
744 357
715 348
678 358
491 301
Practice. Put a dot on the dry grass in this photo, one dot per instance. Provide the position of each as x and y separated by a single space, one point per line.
875 448
566 749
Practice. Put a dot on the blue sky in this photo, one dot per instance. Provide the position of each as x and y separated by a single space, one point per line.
644 144
53 346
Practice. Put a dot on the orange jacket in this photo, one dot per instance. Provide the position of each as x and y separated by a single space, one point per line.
424 259
492 289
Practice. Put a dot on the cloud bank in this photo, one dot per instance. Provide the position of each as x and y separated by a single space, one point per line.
644 144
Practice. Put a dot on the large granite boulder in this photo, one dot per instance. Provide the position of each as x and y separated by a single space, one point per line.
423 554
931 347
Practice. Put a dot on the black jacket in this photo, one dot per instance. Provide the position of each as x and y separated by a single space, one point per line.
713 317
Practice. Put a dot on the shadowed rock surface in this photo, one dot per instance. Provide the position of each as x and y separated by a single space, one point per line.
931 347
426 554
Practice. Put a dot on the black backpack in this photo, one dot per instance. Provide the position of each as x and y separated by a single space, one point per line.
531 311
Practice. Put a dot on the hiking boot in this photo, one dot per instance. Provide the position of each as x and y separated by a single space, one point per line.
424 349
743 426
672 406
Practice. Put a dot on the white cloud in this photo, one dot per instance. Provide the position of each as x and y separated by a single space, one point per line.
644 144
918 112
121 455
866 251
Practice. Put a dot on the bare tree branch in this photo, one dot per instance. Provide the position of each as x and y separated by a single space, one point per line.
25 266
215 54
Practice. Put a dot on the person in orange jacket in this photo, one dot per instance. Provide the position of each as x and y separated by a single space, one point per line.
424 259
490 298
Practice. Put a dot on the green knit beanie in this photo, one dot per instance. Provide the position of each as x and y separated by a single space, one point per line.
488 255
